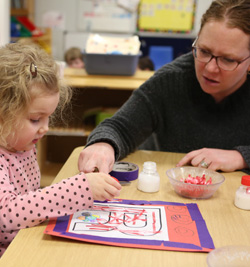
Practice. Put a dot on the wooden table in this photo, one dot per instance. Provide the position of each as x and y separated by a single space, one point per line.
227 225
79 78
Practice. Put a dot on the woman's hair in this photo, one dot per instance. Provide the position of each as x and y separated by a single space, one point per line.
23 68
236 13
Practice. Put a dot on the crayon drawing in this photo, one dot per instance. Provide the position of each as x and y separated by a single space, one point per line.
137 224
121 221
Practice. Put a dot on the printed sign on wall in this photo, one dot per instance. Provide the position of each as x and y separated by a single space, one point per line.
166 15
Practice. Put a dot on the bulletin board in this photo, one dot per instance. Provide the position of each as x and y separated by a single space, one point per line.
105 16
166 15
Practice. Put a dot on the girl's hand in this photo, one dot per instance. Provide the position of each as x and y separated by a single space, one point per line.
217 159
103 186
97 157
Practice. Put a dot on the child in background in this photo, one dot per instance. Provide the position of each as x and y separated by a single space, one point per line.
30 92
74 58
145 63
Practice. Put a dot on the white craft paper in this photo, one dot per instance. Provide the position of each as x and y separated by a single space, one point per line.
121 221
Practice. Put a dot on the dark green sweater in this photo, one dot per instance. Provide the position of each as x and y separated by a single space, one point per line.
172 105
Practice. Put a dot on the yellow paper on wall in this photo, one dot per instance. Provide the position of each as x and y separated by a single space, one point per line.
166 15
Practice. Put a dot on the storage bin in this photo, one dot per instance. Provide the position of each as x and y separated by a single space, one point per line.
110 64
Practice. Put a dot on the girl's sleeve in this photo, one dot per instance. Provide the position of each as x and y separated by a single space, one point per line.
21 211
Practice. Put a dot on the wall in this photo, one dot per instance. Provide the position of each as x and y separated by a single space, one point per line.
4 22
201 7
68 34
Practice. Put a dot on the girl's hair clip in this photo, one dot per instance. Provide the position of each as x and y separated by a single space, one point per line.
33 70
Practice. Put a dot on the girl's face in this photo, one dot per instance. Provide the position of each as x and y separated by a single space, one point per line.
34 124
232 43
77 63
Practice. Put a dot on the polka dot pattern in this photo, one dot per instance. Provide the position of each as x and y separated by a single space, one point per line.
23 204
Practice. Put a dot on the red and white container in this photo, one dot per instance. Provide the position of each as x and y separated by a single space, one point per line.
242 195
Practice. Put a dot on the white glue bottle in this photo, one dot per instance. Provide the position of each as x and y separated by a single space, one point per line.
242 195
149 179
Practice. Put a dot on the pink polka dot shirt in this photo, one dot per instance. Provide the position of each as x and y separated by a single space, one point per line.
23 204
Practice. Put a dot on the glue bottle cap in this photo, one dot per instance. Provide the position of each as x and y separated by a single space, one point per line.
150 166
245 180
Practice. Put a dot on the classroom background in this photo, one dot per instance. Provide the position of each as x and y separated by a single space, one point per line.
174 23
57 25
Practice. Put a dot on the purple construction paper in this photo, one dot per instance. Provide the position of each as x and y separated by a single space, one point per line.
201 226
204 236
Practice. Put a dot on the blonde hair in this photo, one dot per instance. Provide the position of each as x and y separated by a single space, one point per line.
23 67
236 13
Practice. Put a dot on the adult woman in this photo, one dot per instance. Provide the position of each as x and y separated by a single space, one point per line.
198 104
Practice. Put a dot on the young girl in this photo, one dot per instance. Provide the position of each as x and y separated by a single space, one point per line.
30 92
74 58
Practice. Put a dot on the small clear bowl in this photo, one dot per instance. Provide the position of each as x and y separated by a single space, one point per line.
194 191
229 256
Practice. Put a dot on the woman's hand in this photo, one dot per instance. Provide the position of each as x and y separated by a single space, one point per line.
97 157
103 186
216 159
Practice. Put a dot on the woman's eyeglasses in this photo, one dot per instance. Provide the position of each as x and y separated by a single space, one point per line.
224 63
